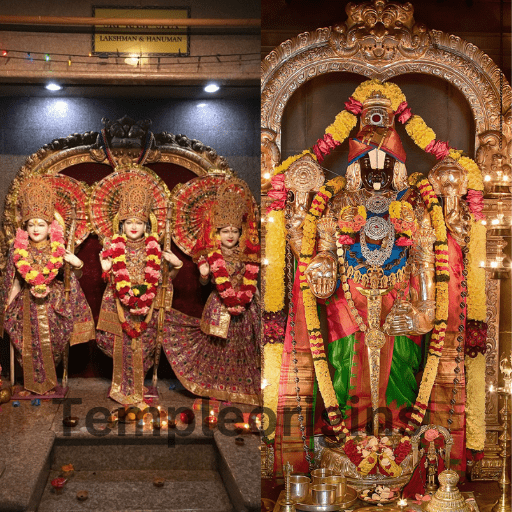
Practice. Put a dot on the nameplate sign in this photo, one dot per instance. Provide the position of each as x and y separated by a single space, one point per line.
143 40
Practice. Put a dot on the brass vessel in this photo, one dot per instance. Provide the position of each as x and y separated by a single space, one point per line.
448 497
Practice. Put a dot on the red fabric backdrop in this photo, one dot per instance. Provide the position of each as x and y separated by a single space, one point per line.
87 360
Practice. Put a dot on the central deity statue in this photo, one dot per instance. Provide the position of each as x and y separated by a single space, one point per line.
376 237
388 296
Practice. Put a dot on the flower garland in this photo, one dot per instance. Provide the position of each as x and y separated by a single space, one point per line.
476 299
272 359
138 297
39 281
370 454
442 277
310 307
475 402
234 301
275 252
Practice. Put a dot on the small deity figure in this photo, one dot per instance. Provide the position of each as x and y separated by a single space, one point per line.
218 355
45 309
128 324
431 465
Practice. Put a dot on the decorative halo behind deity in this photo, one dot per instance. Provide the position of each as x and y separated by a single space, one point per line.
70 193
195 202
105 200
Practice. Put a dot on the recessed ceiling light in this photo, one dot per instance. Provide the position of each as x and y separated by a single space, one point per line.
212 88
201 105
53 87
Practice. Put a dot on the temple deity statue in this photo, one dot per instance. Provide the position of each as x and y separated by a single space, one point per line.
44 309
388 289
380 247
123 207
219 355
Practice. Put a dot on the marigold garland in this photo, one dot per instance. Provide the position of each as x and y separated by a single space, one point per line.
475 402
235 301
39 281
137 297
442 300
316 342
272 358
476 299
275 251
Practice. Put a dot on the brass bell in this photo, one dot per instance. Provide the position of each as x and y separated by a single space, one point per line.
448 497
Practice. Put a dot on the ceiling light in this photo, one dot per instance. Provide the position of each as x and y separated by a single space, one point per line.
201 105
53 87
212 88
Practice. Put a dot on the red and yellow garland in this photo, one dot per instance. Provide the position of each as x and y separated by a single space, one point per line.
39 281
235 301
316 341
138 298
442 277
370 454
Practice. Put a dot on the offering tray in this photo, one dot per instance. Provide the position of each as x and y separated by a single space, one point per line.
308 506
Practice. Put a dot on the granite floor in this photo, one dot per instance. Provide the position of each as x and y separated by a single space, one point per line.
203 469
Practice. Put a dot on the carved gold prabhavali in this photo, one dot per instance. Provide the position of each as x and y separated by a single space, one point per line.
380 40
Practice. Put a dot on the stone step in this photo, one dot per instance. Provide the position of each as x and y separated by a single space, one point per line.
133 490
146 453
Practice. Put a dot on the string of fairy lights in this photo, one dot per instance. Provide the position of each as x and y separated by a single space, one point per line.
133 59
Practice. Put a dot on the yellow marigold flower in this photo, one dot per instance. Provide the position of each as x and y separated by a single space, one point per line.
272 357
455 153
475 180
420 133
136 292
122 284
55 260
476 299
22 252
221 280
395 209
31 275
342 126
475 402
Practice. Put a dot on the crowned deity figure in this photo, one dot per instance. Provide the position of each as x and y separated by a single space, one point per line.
44 307
128 211
376 238
380 298
219 355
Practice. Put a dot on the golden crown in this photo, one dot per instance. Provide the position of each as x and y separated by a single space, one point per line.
136 200
37 200
231 205
377 111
